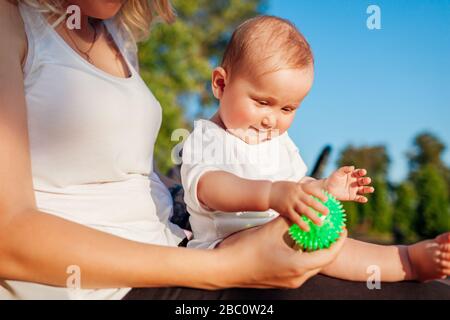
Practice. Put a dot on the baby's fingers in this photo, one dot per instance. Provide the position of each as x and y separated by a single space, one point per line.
316 205
303 209
359 173
361 199
363 190
364 181
315 191
295 218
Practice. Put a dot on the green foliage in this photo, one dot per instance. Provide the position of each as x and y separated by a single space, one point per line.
430 176
353 217
428 149
405 216
377 213
417 207
433 208
381 208
177 60
375 159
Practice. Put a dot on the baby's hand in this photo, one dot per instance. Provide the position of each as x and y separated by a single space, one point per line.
349 184
291 199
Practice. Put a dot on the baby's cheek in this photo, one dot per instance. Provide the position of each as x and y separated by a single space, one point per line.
242 115
284 125
249 118
232 118
229 113
252 114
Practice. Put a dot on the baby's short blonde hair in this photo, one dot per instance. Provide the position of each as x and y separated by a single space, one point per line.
266 43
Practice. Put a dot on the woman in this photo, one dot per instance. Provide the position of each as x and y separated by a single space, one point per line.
80 202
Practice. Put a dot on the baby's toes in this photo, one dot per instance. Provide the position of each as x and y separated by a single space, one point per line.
443 238
444 266
444 247
445 273
442 271
444 256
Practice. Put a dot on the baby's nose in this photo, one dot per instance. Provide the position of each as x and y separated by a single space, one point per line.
268 122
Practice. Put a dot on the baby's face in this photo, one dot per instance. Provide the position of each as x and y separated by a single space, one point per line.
256 109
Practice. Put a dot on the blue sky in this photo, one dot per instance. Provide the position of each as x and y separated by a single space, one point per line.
373 86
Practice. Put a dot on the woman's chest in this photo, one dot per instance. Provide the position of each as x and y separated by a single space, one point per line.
72 101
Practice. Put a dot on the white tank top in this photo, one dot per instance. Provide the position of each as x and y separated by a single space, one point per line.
92 139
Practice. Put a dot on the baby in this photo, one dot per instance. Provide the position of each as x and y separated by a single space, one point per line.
241 169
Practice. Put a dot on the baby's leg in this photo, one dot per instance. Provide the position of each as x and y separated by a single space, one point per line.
425 260
355 258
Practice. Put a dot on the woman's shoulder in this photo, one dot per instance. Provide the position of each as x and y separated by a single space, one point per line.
12 30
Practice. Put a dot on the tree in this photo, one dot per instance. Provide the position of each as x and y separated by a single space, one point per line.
375 159
177 60
405 212
377 213
381 207
428 149
352 213
433 215
430 176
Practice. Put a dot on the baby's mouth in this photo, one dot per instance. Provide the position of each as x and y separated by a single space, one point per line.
263 134
260 130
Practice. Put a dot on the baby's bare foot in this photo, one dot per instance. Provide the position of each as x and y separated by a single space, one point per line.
430 259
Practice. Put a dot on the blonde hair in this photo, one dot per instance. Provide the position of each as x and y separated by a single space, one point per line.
136 16
267 41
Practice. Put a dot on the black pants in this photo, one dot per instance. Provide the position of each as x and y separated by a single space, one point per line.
318 287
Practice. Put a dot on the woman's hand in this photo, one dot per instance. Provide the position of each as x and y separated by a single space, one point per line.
291 199
261 258
349 184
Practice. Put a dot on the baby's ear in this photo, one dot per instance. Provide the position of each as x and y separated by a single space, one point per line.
218 81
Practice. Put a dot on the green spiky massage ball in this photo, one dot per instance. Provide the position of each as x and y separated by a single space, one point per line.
321 237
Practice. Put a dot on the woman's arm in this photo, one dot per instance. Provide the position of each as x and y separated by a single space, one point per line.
39 247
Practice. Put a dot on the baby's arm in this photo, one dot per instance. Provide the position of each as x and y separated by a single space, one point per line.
224 191
356 256
346 184
306 179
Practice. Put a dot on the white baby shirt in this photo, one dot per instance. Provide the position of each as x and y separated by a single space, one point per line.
210 148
